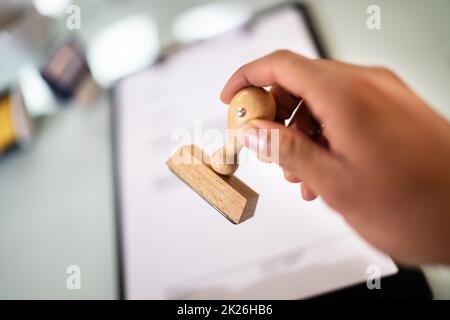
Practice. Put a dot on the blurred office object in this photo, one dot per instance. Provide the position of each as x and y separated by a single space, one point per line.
51 8
209 20
123 47
37 95
24 35
15 125
68 74
65 69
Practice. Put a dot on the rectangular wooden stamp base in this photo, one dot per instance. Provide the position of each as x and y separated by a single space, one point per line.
229 195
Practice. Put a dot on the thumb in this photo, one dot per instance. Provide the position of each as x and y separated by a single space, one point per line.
294 152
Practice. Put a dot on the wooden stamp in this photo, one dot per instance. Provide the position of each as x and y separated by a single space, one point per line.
212 177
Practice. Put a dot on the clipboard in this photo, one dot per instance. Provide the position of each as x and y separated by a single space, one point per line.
148 271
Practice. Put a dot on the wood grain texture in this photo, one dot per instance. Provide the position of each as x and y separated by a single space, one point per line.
248 104
258 104
229 195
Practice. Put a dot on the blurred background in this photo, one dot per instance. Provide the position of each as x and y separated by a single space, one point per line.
60 58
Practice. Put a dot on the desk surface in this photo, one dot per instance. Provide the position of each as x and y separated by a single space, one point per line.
56 199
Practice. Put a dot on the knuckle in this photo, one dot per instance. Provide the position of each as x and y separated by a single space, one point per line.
384 72
358 93
242 69
357 87
285 57
357 84
327 63
283 53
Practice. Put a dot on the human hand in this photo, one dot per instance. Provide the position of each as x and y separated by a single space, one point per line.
382 159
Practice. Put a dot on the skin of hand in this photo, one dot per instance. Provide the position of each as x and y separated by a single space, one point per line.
382 159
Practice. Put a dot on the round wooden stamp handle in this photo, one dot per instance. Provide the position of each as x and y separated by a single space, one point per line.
248 104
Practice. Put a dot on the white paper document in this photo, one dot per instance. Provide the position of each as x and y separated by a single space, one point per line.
175 245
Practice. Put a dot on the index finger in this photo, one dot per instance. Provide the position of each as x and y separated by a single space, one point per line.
297 74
